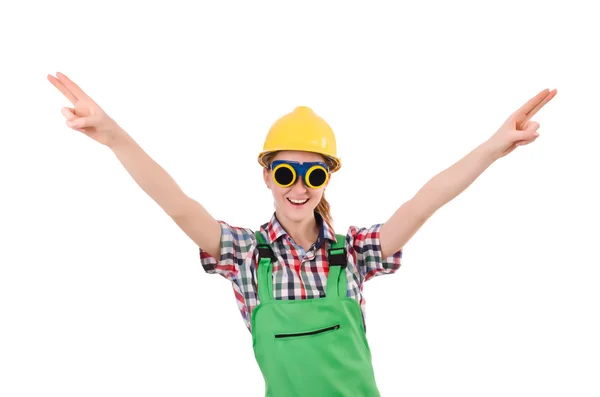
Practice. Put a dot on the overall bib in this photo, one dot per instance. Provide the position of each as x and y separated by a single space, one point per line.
311 347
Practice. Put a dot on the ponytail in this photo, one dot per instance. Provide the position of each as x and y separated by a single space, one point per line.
324 209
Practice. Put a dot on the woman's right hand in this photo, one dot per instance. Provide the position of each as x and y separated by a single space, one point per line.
86 116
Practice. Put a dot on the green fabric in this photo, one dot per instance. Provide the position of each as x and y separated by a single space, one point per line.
312 347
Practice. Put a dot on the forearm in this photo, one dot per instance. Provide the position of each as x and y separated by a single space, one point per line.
449 183
149 176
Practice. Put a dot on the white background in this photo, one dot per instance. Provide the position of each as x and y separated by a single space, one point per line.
102 295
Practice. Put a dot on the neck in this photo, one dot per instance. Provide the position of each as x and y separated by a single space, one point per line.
304 232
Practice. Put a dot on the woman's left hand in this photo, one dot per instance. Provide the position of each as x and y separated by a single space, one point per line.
518 129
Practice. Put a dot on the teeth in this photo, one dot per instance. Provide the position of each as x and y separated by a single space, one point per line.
298 201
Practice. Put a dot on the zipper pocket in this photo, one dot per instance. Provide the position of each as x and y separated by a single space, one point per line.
319 331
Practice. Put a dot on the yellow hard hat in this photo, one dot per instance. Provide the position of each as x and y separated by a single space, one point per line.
301 130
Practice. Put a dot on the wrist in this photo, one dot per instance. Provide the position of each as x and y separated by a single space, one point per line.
490 150
119 138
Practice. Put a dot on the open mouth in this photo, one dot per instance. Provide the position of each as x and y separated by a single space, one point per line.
297 203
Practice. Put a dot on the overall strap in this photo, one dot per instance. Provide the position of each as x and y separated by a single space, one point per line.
337 259
264 273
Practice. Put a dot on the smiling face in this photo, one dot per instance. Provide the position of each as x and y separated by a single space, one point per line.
298 201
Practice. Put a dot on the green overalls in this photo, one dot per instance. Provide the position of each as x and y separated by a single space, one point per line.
311 347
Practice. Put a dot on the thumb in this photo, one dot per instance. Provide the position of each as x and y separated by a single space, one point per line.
529 130
84 122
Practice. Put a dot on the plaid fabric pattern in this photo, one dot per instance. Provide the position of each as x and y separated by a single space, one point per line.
297 274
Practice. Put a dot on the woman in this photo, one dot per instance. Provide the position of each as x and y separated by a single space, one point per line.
298 285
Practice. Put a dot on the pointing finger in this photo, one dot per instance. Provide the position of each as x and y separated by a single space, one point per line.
61 87
532 103
72 87
540 105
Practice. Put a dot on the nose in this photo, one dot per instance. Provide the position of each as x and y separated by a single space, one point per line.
299 185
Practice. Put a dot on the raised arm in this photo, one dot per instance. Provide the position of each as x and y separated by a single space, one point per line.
517 130
87 117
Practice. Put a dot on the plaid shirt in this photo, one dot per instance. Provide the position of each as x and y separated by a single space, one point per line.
297 274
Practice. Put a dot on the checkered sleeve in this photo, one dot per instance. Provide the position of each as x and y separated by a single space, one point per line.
364 244
235 244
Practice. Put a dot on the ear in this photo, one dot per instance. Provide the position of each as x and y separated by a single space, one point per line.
266 178
328 180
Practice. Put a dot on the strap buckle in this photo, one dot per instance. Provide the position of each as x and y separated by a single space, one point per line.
338 257
264 251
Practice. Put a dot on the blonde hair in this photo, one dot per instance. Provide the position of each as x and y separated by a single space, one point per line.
323 208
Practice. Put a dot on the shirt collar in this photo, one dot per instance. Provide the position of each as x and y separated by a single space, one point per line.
275 231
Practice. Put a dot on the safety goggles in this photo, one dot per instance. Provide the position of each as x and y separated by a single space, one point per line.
314 174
